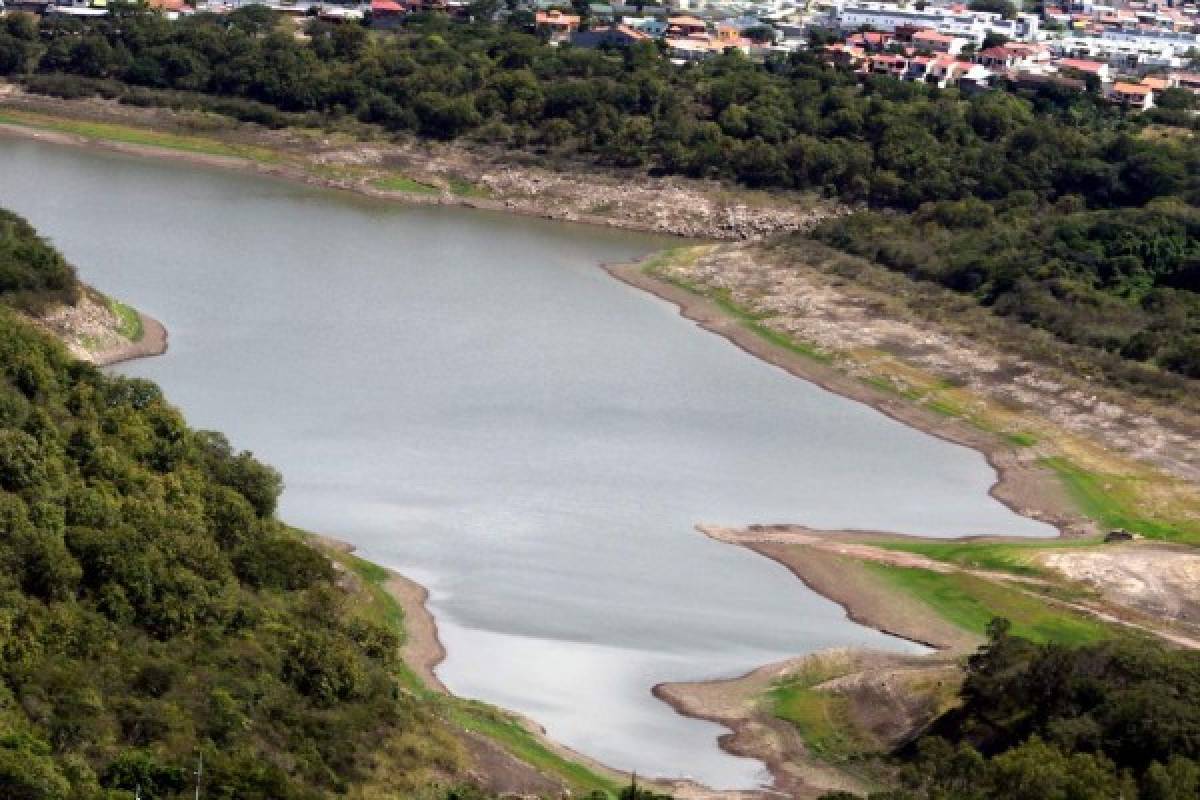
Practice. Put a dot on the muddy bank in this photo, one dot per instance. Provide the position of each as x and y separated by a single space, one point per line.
431 173
422 649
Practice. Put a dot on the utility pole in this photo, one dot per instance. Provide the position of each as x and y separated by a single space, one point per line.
199 773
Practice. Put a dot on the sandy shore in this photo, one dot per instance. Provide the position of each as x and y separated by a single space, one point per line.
422 649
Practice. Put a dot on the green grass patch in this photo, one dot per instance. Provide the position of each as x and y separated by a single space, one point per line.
945 408
1020 439
971 603
822 718
1112 501
512 736
1012 557
401 183
129 320
128 134
461 187
721 297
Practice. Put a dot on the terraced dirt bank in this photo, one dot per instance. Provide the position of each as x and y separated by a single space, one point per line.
1085 458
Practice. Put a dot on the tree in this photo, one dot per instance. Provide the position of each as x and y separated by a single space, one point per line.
1006 8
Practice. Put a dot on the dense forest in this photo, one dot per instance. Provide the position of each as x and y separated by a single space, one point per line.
153 610
1112 721
31 272
1011 193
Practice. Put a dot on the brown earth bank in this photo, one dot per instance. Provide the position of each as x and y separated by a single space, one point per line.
854 340
417 171
492 767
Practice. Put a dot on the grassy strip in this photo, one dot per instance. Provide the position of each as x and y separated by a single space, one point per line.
402 183
1017 558
724 300
464 188
472 715
971 603
510 734
127 134
1112 501
129 320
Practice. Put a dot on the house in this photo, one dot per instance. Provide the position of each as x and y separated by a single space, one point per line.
556 23
690 48
681 27
842 55
888 64
944 70
1132 95
1185 80
651 26
730 36
936 42
998 58
871 41
1085 68
974 77
609 36
387 13
1037 80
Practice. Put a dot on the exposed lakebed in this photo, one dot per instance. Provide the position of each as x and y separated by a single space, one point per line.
467 397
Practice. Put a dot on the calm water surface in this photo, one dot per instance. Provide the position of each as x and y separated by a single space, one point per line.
467 397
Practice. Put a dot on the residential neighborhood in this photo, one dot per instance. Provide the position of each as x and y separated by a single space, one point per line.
1129 52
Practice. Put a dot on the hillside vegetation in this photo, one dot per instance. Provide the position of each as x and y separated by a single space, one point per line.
152 609
1110 721
32 272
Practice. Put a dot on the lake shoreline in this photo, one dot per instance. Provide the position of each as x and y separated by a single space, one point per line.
422 650
154 342
1017 479
92 330
697 210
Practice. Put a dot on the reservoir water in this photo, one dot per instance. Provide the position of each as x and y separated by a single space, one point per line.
467 397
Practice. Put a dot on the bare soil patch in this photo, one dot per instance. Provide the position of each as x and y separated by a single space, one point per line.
1162 582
